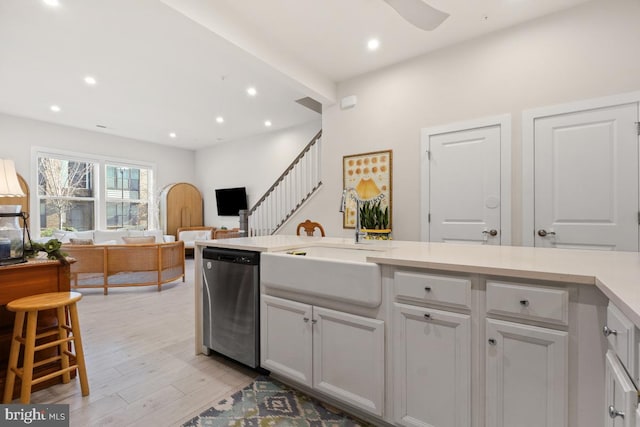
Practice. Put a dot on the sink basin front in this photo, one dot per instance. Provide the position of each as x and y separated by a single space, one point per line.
336 273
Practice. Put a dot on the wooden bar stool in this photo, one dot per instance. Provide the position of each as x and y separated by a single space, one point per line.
65 305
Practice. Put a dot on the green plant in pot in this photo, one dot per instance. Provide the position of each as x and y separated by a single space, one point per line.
374 220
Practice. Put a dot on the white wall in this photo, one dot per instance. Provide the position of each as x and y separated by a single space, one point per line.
254 163
578 54
19 135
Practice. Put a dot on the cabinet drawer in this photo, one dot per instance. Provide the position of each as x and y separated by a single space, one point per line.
623 339
528 302
433 288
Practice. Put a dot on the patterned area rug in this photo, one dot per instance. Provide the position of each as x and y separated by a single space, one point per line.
268 403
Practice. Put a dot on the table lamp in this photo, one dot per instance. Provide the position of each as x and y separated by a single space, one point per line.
11 233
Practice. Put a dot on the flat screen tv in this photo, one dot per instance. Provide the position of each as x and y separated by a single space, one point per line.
231 200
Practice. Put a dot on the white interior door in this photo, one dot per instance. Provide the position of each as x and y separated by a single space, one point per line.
464 186
586 179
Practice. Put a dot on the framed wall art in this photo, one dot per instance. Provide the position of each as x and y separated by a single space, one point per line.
370 175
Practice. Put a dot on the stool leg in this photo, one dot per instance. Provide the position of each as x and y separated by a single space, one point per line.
13 358
77 343
62 348
27 369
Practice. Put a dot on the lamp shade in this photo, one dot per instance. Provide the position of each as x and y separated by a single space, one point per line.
9 185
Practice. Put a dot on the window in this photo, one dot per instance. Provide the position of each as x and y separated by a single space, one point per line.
66 194
127 197
71 196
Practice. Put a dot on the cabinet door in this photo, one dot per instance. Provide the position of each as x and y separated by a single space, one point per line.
432 367
286 338
348 358
526 376
621 396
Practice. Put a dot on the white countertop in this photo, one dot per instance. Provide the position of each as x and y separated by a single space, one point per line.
616 274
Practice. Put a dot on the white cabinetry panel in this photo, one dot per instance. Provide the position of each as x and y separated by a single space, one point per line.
621 396
526 376
348 358
432 378
623 338
528 302
337 353
286 338
432 288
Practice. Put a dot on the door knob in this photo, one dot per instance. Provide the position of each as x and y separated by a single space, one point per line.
613 412
543 232
606 331
492 232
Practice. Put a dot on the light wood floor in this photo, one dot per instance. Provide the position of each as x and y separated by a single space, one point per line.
141 365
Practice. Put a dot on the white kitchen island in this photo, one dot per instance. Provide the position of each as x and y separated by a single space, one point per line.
466 335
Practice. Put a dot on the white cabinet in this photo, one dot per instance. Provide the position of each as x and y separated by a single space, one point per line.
286 338
432 361
348 358
526 375
337 353
623 338
621 396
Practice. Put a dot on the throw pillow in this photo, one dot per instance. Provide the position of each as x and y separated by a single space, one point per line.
81 241
139 239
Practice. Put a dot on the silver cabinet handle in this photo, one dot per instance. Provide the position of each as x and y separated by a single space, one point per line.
427 316
493 341
427 288
613 412
491 232
606 331
543 232
524 303
314 321
306 319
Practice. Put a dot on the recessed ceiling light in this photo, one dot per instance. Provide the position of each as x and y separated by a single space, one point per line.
373 44
252 91
55 108
267 123
172 135
90 80
220 119
53 3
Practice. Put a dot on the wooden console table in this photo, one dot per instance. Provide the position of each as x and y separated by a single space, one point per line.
21 280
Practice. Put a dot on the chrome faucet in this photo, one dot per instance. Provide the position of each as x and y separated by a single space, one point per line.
343 206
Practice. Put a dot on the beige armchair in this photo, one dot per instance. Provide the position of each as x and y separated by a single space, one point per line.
190 234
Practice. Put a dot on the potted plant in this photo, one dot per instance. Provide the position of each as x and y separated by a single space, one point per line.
374 220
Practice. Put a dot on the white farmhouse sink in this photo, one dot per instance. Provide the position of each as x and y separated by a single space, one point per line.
339 273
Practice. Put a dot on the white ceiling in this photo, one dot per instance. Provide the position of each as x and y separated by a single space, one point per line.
159 71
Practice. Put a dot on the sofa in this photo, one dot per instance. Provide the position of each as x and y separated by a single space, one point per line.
106 237
130 264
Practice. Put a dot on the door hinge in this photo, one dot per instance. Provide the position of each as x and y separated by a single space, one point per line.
638 218
637 128
428 154
429 216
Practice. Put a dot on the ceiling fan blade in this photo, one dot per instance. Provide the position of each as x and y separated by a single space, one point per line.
418 13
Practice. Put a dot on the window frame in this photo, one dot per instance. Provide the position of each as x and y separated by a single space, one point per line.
100 184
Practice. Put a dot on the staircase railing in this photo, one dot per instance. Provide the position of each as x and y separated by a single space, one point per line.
294 187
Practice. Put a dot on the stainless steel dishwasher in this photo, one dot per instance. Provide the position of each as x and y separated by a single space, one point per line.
231 304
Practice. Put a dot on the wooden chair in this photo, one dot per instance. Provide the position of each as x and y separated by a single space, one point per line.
226 234
309 228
